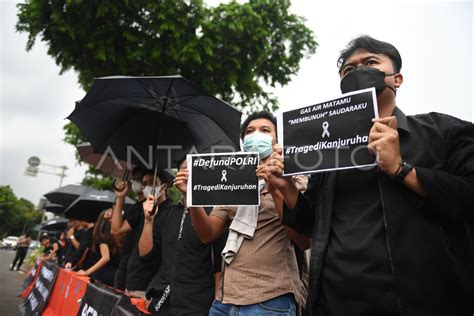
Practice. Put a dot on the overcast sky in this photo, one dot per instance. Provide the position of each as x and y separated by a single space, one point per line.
435 39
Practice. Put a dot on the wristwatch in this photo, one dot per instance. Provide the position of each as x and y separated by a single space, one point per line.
72 237
402 172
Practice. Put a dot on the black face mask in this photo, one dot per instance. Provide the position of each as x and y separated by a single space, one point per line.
363 78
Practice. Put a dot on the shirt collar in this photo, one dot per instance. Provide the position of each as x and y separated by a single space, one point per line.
402 122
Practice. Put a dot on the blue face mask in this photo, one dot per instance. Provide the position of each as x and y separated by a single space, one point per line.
259 142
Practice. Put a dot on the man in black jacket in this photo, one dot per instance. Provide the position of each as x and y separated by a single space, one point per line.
395 239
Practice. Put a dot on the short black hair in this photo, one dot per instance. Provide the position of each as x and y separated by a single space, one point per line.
254 116
45 237
137 172
370 45
159 174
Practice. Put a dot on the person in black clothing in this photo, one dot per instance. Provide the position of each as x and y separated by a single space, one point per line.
21 251
139 274
63 243
103 258
83 243
72 230
127 238
51 247
395 239
184 284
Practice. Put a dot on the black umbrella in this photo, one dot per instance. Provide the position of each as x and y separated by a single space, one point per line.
130 116
104 162
65 195
54 208
55 224
45 204
88 206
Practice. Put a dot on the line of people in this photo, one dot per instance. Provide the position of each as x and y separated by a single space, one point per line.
392 240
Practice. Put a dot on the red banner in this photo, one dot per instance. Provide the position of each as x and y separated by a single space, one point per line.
69 290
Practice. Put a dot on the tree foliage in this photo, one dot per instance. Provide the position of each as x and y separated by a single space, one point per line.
231 51
18 214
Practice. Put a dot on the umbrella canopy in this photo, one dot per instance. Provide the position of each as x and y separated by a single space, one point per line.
65 195
45 204
55 224
110 165
88 206
130 116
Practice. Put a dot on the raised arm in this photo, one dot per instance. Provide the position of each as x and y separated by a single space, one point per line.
295 208
119 225
274 177
145 245
300 183
208 227
72 239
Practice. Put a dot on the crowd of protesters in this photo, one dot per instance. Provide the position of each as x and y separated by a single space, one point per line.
168 257
370 234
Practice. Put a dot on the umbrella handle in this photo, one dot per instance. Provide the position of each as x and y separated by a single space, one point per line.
125 175
114 181
124 179
155 207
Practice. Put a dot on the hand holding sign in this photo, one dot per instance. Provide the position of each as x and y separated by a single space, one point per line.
181 180
384 142
274 169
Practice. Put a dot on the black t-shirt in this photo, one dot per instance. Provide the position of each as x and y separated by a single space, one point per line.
186 264
85 242
63 247
95 255
49 248
356 276
140 273
129 237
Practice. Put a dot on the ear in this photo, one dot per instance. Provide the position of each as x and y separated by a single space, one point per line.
398 80
164 186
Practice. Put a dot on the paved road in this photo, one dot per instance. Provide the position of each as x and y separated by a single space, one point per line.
9 284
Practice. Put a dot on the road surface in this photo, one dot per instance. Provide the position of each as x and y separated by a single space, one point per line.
9 284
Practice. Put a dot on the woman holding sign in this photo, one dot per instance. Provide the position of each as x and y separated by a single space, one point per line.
260 270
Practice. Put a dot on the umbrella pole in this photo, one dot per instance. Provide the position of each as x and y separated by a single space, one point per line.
159 134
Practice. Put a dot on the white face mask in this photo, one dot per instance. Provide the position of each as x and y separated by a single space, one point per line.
137 187
148 189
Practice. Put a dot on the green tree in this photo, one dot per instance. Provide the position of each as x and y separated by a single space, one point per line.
231 51
18 214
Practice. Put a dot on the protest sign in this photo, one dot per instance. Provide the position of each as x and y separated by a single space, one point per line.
98 300
30 278
330 135
37 300
223 179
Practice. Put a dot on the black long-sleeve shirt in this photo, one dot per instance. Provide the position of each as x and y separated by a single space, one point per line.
187 265
427 241
140 273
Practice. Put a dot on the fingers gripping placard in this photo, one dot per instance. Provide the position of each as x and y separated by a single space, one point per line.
222 179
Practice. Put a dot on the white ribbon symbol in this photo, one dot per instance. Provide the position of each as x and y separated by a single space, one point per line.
224 173
325 130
